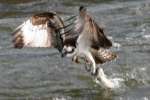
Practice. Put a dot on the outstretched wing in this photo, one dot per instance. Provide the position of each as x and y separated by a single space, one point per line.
72 31
85 24
93 31
39 31
98 37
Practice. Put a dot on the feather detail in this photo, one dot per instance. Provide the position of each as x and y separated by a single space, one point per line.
103 55
40 30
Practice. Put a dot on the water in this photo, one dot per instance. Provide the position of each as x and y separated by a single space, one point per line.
41 74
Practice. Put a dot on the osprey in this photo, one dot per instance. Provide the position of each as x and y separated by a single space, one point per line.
85 41
91 45
40 30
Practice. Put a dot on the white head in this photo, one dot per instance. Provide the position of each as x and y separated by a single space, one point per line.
68 51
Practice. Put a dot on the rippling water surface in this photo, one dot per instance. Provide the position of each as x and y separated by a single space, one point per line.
41 74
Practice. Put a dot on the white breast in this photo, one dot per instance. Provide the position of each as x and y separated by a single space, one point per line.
83 43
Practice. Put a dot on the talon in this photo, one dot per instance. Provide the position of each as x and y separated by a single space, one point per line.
75 59
87 68
93 73
97 71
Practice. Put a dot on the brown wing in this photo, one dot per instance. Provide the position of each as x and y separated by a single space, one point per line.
85 24
102 55
54 21
98 37
42 18
93 31
18 39
70 37
49 19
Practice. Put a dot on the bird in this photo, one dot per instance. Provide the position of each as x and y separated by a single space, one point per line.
44 29
85 42
91 45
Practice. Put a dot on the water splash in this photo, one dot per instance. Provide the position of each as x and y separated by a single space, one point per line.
116 45
105 82
147 36
115 83
61 98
